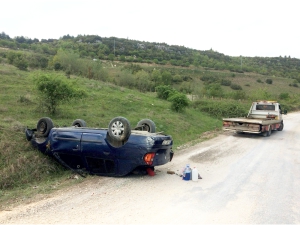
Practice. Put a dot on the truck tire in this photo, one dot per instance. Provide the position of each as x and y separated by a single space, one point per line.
281 127
267 133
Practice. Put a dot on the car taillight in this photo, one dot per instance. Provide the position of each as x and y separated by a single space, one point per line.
148 158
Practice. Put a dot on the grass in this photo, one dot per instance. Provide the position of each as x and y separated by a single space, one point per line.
23 168
25 172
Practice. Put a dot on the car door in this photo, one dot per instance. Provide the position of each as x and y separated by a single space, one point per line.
66 148
100 159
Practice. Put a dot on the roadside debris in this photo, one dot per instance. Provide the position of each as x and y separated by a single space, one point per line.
188 173
170 172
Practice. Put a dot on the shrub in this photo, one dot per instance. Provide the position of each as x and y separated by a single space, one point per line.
221 109
284 96
259 81
17 59
55 90
236 87
237 95
269 81
185 87
179 102
209 79
225 82
213 90
164 91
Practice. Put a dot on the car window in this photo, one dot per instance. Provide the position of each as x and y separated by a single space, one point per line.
265 107
100 166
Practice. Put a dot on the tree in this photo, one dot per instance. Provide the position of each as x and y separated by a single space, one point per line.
177 79
156 77
67 60
166 77
142 81
56 89
185 87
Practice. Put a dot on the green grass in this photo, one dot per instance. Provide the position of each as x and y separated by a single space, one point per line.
23 168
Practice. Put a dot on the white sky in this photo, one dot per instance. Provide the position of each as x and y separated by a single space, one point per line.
267 28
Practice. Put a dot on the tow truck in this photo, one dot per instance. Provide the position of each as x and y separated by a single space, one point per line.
263 118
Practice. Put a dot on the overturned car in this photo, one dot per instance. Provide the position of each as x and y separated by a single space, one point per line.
114 151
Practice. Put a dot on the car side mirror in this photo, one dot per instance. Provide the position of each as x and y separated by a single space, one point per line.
284 112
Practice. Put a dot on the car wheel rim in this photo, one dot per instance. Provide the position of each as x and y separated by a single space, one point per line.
147 128
117 128
42 128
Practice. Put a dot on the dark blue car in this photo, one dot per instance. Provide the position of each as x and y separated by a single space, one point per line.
114 151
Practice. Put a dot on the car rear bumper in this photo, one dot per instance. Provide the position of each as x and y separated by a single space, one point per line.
162 157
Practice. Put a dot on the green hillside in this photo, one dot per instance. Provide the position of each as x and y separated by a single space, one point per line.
120 78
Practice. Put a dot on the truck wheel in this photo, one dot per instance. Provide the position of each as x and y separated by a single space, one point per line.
267 133
119 129
79 123
281 127
44 126
147 125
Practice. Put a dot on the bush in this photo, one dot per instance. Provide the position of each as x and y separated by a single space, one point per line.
237 95
219 109
17 59
164 91
179 102
284 96
213 90
269 81
259 81
225 82
236 87
209 79
54 90
294 85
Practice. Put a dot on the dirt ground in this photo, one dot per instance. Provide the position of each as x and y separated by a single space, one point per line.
241 175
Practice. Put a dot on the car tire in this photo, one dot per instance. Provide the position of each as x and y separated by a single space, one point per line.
281 127
147 125
44 126
119 129
79 123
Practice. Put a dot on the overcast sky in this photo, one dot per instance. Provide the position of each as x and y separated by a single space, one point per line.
267 28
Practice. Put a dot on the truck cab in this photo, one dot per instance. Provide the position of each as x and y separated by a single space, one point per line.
265 110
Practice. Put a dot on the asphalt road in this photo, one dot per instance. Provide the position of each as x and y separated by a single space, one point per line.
246 179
